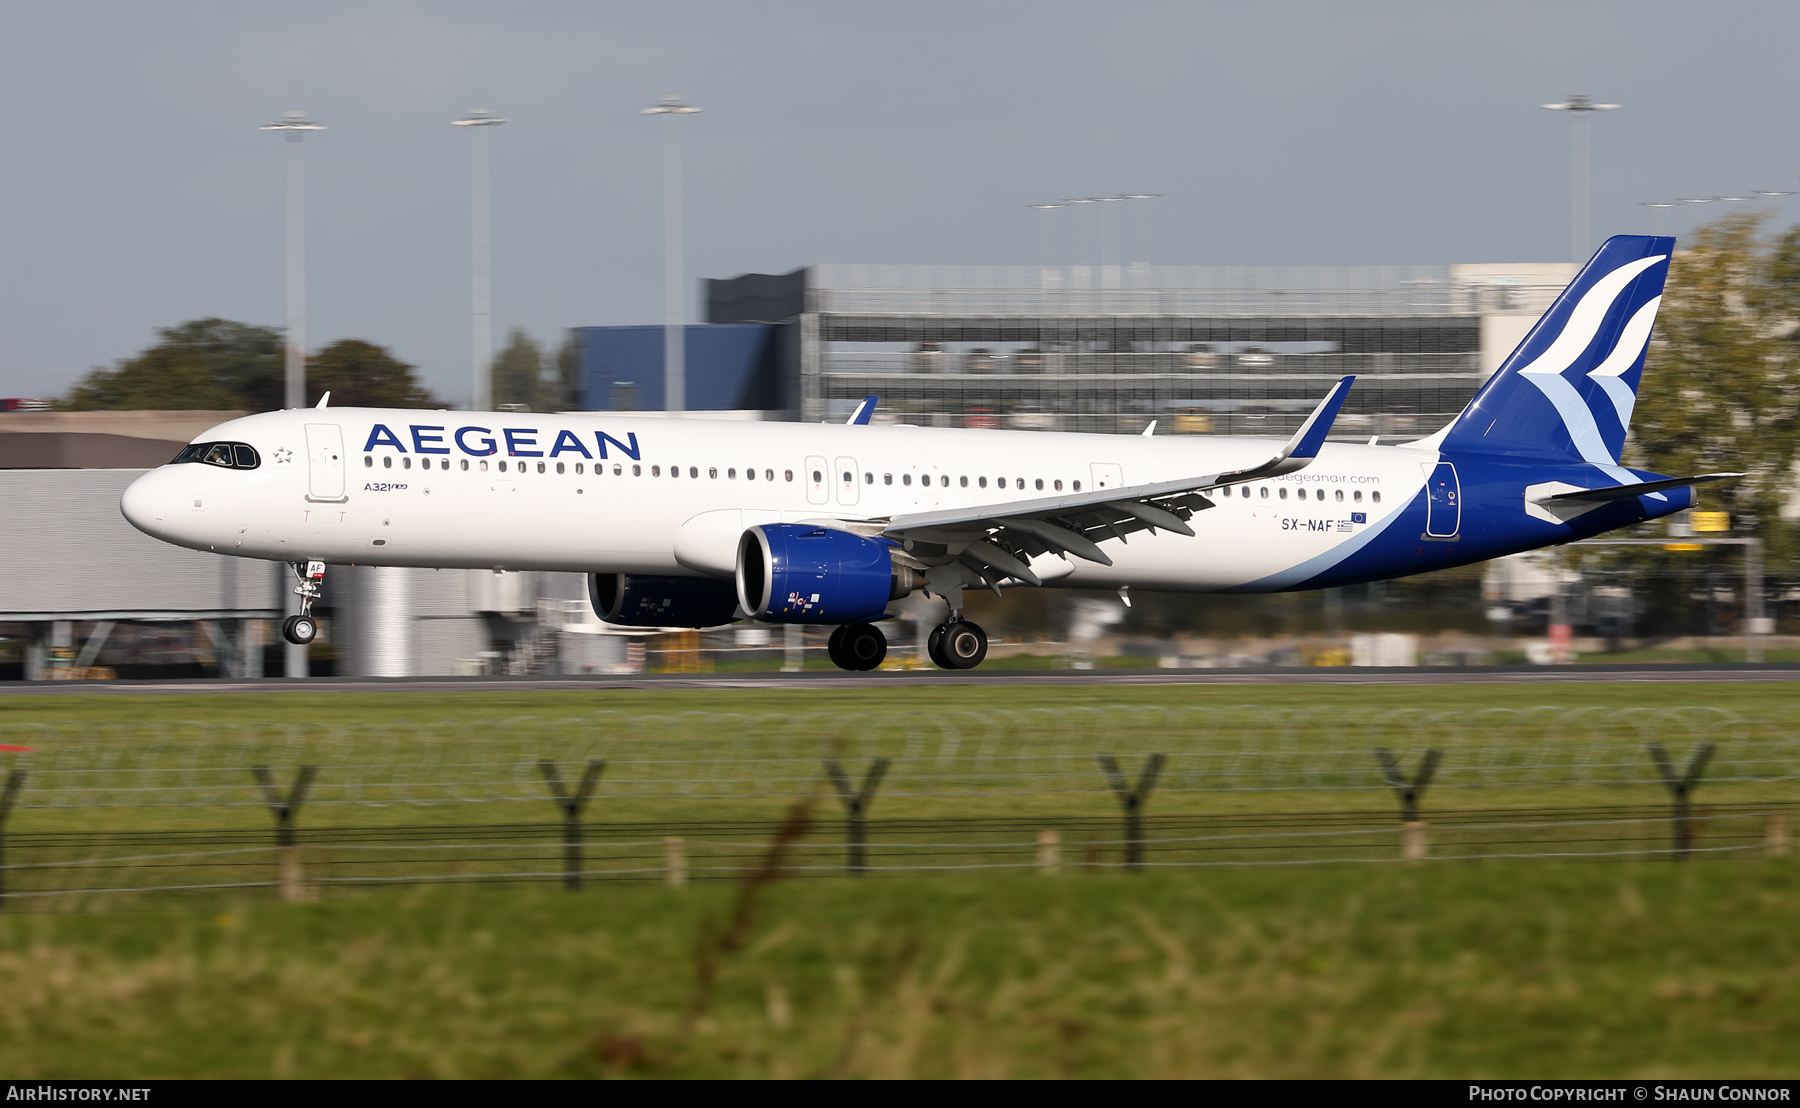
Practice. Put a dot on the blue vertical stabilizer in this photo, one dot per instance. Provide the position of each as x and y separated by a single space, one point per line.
1567 392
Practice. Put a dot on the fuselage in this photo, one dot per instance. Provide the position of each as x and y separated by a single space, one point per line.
611 493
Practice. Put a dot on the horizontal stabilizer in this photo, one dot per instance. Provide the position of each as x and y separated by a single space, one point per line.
1626 492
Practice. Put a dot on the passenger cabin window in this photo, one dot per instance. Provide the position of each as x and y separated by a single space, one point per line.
1375 496
964 481
1078 486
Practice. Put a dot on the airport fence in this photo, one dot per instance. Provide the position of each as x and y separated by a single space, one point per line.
694 796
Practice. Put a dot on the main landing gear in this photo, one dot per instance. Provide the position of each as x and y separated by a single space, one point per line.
303 628
857 646
957 644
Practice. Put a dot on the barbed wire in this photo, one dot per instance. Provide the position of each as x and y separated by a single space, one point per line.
53 865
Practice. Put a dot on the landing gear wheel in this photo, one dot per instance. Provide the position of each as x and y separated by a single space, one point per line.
834 647
862 647
299 630
964 645
934 647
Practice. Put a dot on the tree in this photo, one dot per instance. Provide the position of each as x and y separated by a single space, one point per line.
219 365
1722 383
518 374
568 372
363 375
206 364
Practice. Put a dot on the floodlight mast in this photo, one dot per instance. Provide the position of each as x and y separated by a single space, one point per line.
293 126
1045 255
1579 108
481 282
672 107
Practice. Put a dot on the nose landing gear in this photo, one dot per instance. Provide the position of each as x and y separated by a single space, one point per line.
857 646
303 628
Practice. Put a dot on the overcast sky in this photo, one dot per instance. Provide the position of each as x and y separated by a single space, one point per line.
137 191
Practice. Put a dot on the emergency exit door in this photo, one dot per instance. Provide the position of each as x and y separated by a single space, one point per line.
1443 502
845 470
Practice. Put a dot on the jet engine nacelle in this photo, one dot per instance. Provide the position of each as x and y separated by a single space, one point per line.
643 600
801 573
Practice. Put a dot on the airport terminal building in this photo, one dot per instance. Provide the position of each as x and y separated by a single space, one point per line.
1199 349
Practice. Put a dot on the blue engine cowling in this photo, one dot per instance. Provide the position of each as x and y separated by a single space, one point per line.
642 600
801 573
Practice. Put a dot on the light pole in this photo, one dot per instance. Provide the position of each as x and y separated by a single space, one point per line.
672 107
1579 108
481 294
1130 223
1109 233
1659 214
1044 251
293 126
1097 228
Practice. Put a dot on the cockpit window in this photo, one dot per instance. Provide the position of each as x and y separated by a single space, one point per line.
230 455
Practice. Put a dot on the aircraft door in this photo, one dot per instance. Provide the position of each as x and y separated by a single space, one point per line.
1108 475
818 481
325 462
845 471
1443 502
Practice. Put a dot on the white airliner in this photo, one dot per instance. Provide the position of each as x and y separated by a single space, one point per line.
697 523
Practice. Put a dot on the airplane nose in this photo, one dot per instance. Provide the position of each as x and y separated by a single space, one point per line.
145 503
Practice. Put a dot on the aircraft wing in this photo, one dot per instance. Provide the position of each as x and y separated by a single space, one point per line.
997 540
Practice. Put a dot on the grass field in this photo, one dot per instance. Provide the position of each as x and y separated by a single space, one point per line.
1495 970
374 706
1475 968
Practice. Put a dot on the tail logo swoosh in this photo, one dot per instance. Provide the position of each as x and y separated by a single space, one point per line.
1546 371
